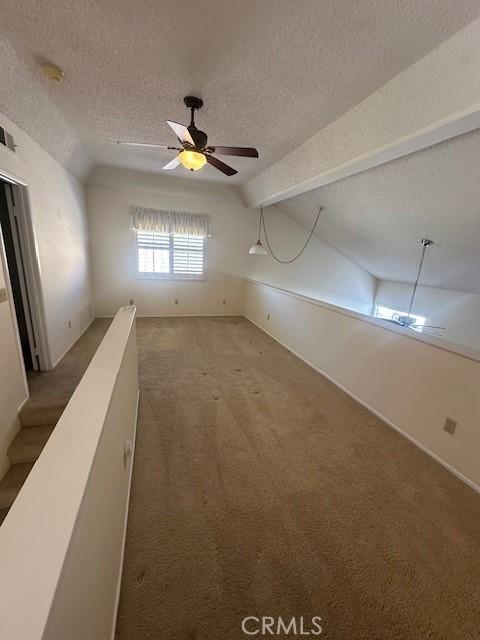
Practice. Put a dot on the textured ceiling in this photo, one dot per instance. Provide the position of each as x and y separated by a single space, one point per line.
378 217
271 72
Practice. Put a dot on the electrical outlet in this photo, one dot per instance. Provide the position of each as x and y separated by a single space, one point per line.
176 300
224 302
268 316
450 426
69 324
3 294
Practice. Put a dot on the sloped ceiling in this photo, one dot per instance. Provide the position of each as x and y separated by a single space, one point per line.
271 72
377 218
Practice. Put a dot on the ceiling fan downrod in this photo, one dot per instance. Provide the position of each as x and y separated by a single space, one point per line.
425 242
193 103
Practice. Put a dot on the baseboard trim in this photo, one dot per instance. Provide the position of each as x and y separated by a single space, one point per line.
125 524
23 403
187 315
385 420
73 343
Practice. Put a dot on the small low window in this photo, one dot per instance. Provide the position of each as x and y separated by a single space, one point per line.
393 314
170 255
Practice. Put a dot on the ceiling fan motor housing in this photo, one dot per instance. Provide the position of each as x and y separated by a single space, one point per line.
199 137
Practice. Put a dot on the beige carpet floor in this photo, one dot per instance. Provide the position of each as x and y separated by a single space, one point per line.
260 489
55 387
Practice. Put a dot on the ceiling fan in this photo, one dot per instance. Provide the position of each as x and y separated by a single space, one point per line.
194 152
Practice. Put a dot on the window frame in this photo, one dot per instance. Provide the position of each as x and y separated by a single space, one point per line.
421 320
150 275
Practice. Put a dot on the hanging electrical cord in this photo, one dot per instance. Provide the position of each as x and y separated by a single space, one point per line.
262 223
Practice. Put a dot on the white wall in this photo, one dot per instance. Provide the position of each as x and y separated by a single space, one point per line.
57 203
57 206
110 193
412 384
457 311
321 272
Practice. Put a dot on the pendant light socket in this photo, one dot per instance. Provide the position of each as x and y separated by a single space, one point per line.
257 249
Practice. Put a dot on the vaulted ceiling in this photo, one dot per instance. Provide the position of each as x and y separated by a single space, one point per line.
377 218
271 72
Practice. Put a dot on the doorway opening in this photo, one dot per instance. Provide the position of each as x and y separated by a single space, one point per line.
17 277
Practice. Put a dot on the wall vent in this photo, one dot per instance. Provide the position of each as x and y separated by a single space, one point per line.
7 139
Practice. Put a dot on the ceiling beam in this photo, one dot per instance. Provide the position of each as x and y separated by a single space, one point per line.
436 98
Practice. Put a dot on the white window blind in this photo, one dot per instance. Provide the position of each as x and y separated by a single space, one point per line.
170 255
153 252
187 255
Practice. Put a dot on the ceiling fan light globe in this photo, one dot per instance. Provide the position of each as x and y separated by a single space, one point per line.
257 249
192 160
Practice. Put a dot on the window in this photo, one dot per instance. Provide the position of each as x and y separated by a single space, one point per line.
170 255
392 314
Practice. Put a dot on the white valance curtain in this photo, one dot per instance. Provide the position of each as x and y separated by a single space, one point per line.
163 221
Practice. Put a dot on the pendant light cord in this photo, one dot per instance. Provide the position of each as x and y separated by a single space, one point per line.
262 224
260 218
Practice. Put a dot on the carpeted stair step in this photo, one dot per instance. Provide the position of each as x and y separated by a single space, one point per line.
28 443
12 483
32 416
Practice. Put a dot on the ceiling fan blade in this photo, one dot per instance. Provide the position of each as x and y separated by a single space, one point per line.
427 326
173 164
221 166
182 133
147 144
247 152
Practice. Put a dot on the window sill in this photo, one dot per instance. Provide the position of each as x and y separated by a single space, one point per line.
169 278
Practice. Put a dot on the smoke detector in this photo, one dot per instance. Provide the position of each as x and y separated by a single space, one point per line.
52 72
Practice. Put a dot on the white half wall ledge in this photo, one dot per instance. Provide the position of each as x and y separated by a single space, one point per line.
435 99
439 343
411 386
61 543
